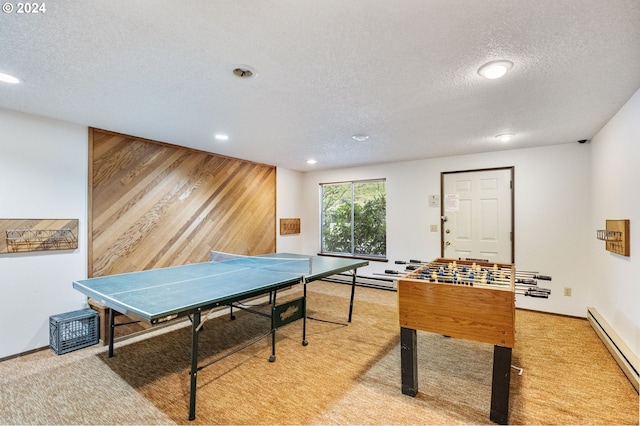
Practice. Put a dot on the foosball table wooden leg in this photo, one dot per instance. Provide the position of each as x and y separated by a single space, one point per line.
409 361
500 385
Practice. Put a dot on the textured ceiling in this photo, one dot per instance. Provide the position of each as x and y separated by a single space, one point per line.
403 72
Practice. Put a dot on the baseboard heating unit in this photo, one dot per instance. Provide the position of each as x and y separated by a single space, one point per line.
365 281
627 360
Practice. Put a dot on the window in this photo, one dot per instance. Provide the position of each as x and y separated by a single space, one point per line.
354 218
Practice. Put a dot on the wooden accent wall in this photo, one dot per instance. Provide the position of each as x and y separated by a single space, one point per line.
154 205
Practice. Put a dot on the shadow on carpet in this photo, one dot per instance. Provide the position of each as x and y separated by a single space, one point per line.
245 388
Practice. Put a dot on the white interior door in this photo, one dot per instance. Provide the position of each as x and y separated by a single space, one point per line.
477 212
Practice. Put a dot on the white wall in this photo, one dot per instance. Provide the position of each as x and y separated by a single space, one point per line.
562 195
44 176
615 193
288 194
552 225
44 165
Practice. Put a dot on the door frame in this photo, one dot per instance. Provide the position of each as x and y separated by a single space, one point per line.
513 191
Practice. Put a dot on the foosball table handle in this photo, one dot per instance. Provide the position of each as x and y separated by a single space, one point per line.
542 277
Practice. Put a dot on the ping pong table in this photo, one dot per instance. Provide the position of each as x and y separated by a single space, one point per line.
160 295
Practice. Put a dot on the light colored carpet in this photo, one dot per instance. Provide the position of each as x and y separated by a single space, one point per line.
346 375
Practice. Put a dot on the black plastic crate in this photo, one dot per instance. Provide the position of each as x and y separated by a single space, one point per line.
73 330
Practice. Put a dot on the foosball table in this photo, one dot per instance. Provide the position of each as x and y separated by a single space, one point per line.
464 299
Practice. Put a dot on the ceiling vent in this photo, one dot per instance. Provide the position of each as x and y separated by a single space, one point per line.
244 71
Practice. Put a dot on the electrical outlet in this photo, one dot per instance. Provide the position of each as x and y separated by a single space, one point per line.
567 291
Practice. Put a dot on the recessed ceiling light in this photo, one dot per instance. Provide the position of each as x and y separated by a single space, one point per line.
505 137
244 71
6 78
221 137
360 138
495 69
311 161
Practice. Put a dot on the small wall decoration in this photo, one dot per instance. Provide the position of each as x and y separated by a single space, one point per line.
615 236
289 226
27 235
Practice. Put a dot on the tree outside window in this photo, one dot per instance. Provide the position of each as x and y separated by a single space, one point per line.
354 218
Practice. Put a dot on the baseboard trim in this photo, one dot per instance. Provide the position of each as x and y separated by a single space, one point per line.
626 359
18 355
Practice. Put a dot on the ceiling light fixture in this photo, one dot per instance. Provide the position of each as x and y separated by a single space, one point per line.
360 138
495 69
244 71
505 137
221 137
311 161
6 78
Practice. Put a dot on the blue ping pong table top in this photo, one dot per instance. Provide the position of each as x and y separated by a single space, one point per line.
161 294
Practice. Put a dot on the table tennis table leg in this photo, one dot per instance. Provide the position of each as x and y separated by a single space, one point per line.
304 315
272 297
195 323
353 292
111 332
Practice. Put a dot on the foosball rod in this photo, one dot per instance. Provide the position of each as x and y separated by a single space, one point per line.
533 275
462 280
519 273
460 267
542 293
528 290
448 277
523 289
465 269
521 277
528 287
411 262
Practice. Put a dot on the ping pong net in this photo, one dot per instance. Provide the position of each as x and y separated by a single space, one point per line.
299 265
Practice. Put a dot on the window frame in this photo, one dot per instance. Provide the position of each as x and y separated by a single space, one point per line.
352 254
